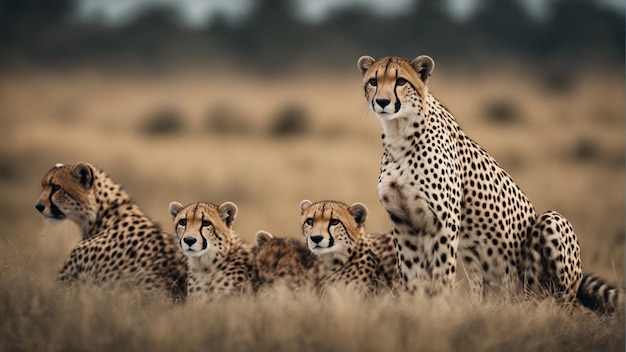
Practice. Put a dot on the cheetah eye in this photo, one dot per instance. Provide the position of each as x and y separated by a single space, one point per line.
401 81
182 222
334 222
373 82
206 223
309 222
55 187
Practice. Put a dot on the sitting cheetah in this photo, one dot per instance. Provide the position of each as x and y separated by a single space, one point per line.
120 245
448 198
283 261
220 263
348 255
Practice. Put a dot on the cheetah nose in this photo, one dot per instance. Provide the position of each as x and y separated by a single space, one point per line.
40 207
383 102
317 238
189 241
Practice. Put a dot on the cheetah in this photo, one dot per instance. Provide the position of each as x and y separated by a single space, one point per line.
284 261
448 199
348 255
219 262
120 245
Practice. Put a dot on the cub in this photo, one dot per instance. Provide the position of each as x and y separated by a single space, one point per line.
284 261
220 263
348 255
120 245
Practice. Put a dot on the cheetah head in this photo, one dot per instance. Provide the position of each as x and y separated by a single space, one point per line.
69 193
203 228
332 227
394 87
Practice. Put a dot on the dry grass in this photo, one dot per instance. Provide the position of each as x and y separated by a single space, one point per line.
46 318
565 150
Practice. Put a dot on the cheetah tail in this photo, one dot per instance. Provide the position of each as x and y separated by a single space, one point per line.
595 294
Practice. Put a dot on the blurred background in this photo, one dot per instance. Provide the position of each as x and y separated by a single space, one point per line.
273 36
260 103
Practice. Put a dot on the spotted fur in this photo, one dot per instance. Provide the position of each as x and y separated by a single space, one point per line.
120 245
450 201
284 262
220 263
348 255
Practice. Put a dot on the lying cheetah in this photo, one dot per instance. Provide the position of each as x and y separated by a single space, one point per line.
120 245
220 263
448 199
348 255
283 261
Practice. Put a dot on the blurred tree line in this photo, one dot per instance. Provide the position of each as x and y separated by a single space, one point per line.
271 38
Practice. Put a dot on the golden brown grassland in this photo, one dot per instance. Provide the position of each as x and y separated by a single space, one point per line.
564 147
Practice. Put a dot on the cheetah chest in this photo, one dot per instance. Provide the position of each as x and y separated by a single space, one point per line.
418 192
218 278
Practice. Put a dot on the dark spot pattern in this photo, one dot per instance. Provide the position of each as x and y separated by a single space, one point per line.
285 261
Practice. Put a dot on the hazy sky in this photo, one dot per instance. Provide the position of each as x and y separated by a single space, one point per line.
199 12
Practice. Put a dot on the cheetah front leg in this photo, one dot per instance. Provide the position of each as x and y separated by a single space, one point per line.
551 258
470 254
424 260
426 248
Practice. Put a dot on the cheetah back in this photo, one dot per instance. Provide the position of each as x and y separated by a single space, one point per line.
284 261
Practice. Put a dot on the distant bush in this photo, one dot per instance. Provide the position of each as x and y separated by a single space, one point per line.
9 167
291 120
585 149
162 122
503 111
558 81
226 120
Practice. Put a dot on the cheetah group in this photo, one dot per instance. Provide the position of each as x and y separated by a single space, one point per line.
451 207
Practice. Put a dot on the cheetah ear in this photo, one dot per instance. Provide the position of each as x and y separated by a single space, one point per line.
228 212
84 174
359 212
175 208
262 237
304 204
424 65
364 63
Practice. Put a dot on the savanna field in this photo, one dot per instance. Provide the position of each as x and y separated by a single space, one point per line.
266 143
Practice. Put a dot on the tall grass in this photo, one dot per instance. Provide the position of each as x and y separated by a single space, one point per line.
38 316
